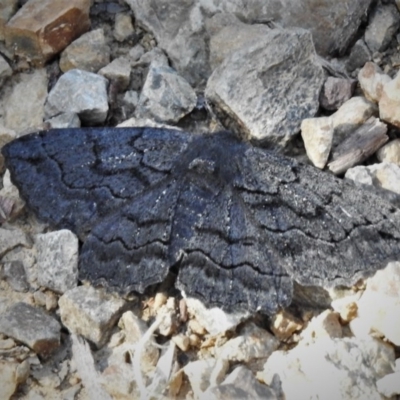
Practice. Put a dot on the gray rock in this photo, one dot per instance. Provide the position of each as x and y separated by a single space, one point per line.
6 136
390 152
31 326
136 52
359 55
24 108
10 239
325 324
165 96
5 70
214 320
80 92
247 87
14 274
90 312
383 24
131 98
335 92
119 71
179 26
345 369
234 36
240 384
90 52
372 79
156 57
57 260
379 305
64 120
252 343
8 379
7 9
317 134
11 204
123 27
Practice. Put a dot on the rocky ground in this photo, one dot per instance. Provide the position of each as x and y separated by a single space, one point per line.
319 84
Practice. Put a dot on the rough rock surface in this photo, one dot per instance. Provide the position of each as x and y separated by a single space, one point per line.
118 71
71 94
379 304
166 97
389 103
89 52
178 26
335 92
30 32
328 366
64 120
390 152
372 79
31 326
25 107
246 86
90 312
57 260
7 9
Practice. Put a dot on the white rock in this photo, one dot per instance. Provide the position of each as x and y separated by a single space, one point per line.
214 320
389 385
325 324
57 260
198 373
9 239
331 369
119 71
317 134
80 92
253 343
372 79
166 96
390 152
384 175
347 306
24 108
8 382
138 122
351 115
379 306
11 193
389 103
90 313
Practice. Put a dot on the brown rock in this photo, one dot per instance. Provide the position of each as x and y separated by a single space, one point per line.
43 28
335 92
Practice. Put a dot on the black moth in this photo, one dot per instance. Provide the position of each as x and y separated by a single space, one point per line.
240 222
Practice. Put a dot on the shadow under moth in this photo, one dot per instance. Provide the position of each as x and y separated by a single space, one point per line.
240 223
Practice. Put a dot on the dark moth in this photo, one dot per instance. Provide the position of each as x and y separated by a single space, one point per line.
240 222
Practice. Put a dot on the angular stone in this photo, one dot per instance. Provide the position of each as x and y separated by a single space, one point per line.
317 134
359 55
43 28
284 324
80 92
199 373
64 120
379 306
253 343
6 136
240 384
325 324
8 379
233 35
31 326
9 195
351 115
390 152
372 79
57 260
14 274
9 239
383 24
7 9
335 92
331 369
123 28
90 312
389 103
24 108
246 88
214 320
89 52
179 26
165 96
119 71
